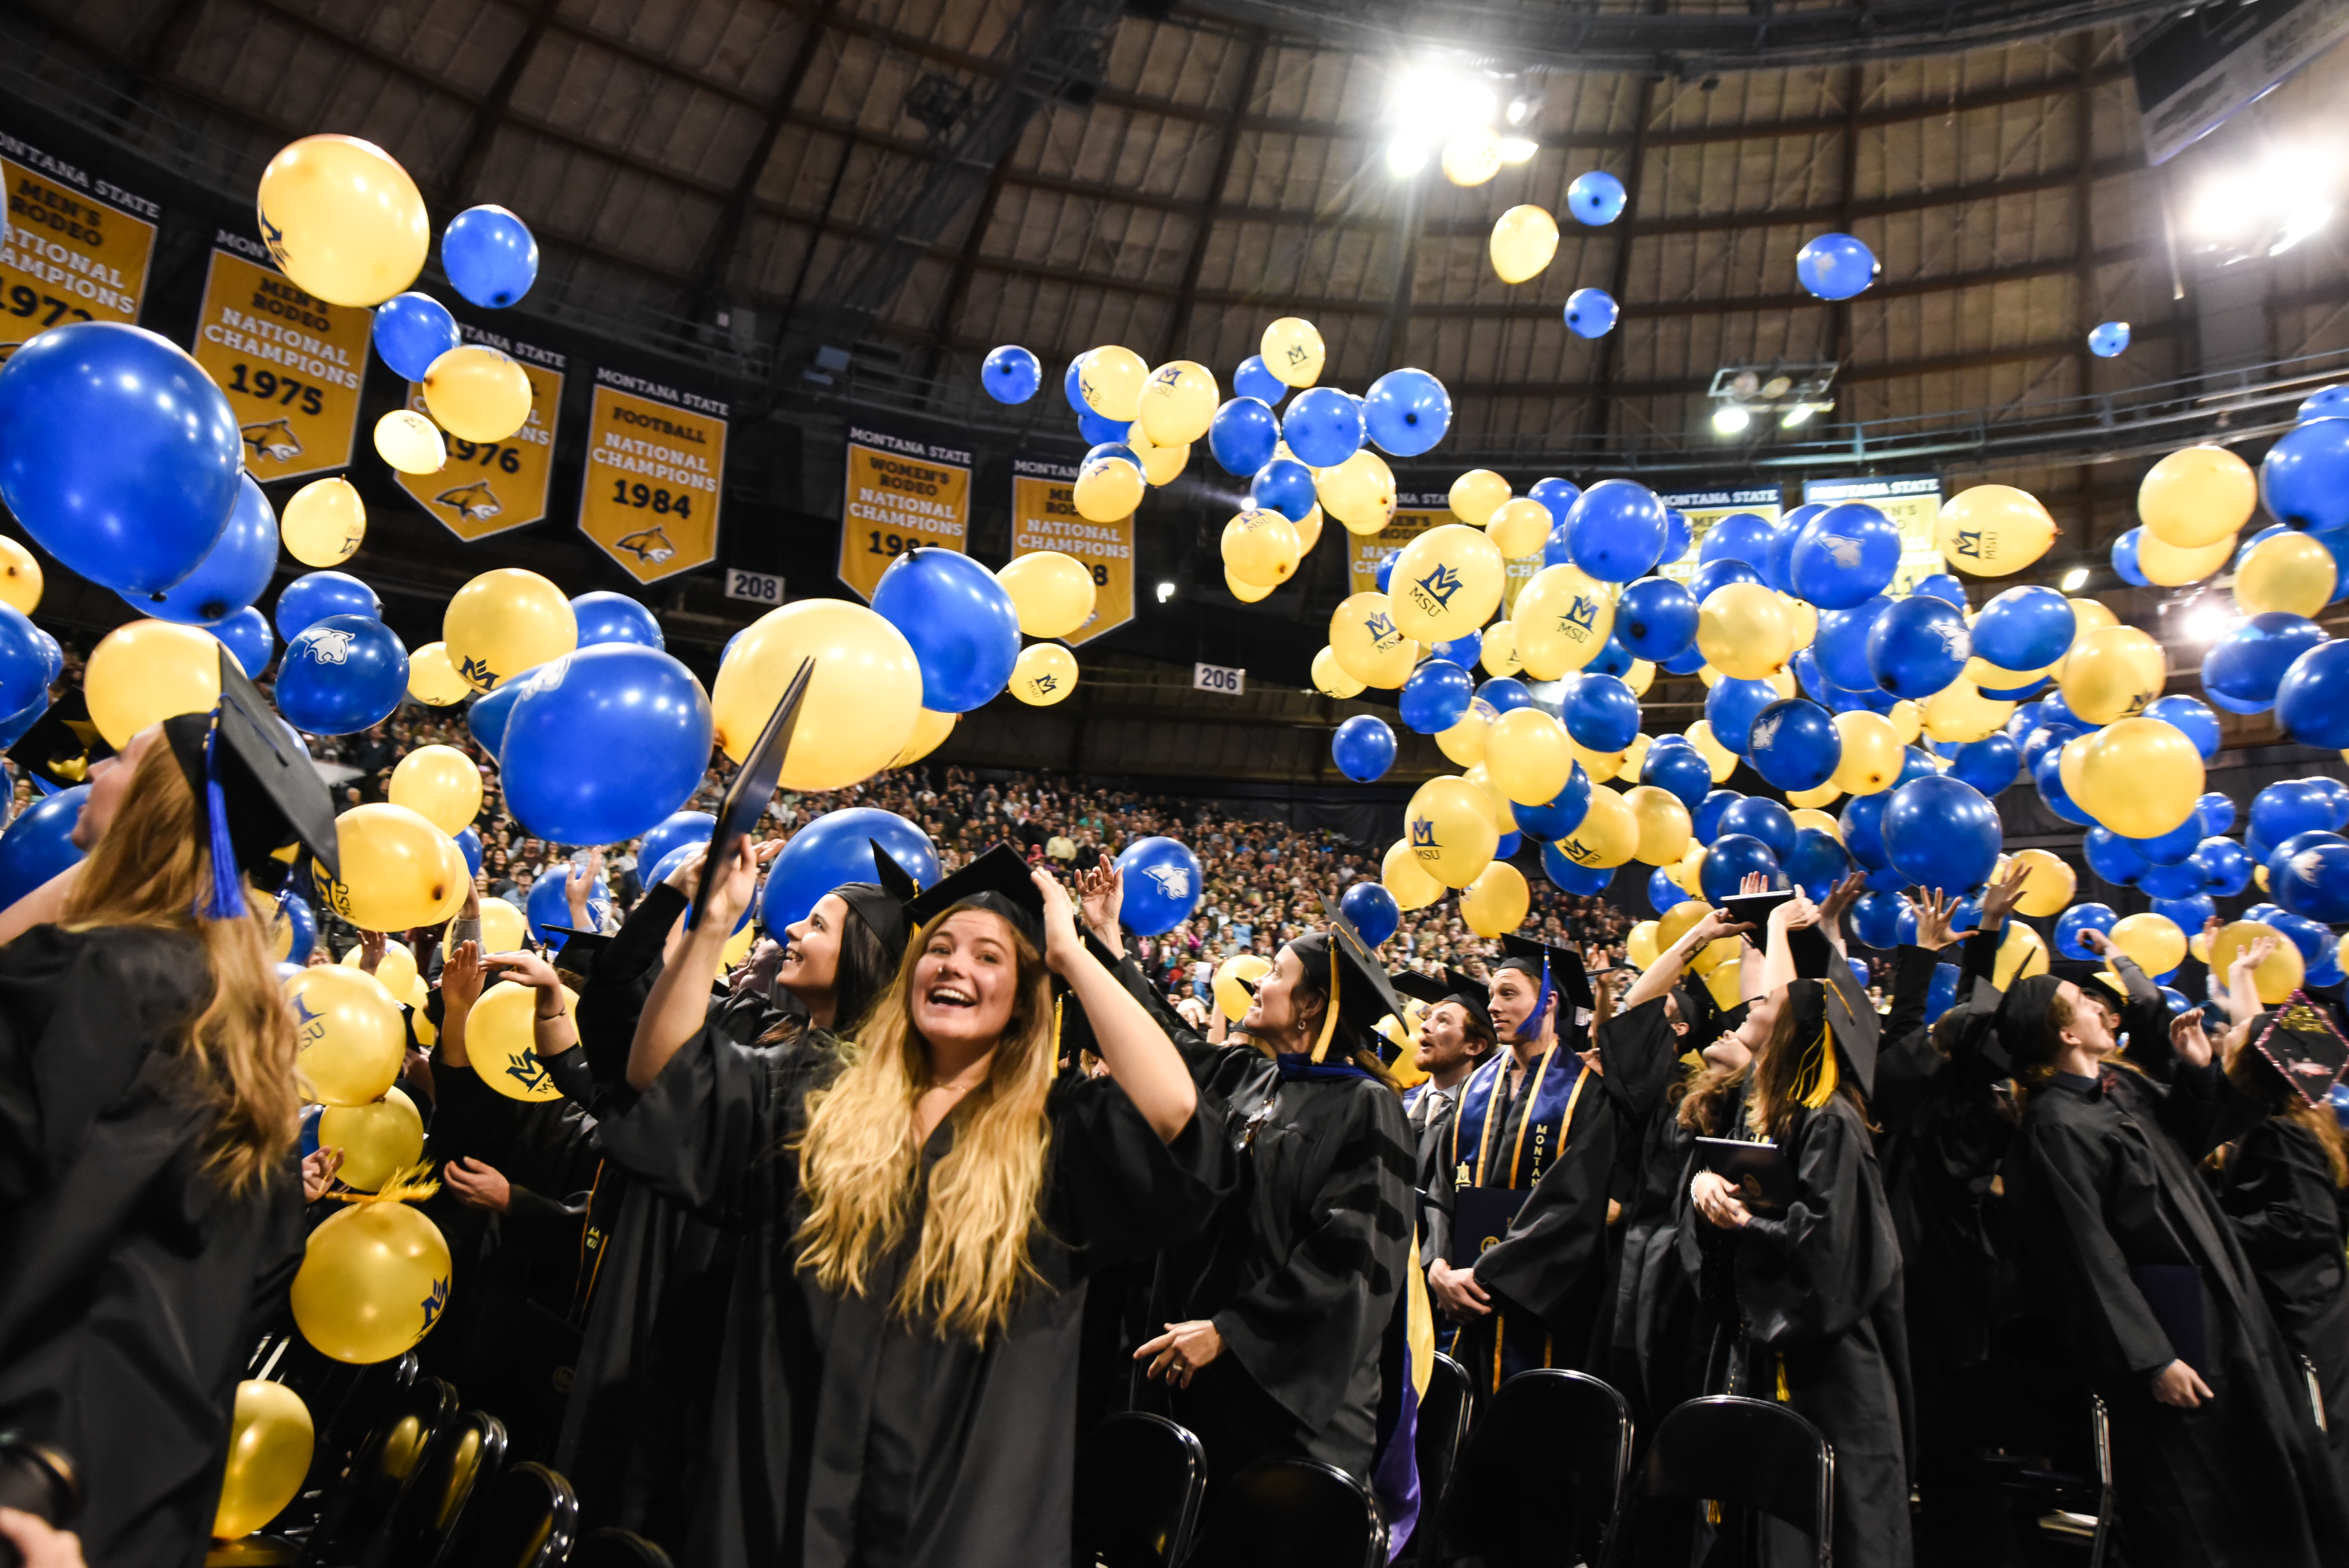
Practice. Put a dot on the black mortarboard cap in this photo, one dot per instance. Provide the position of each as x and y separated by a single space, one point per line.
2092 977
1427 987
2303 1043
881 905
997 882
1360 992
1566 971
1838 1007
62 744
752 786
1471 992
255 785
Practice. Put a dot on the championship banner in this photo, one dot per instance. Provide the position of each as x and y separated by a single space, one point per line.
1704 508
656 457
904 493
1414 515
488 487
1044 517
290 365
74 247
1912 501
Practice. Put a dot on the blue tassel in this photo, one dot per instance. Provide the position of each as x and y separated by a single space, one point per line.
1541 1001
227 899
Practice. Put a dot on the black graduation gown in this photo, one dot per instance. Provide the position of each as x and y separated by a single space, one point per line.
130 1287
2289 1220
840 1434
1653 1338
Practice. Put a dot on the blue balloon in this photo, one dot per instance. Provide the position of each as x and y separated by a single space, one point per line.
1163 885
2108 339
1718 574
2304 478
1505 693
2335 790
2322 403
1406 412
1323 427
548 910
1990 764
39 843
411 330
1437 696
345 674
2312 699
2195 721
602 744
1663 894
2124 561
1844 556
1759 817
1601 713
1363 747
1731 858
1794 744
1941 991
1386 568
1558 497
1591 312
1918 763
2226 866
1373 910
1010 373
1876 919
660 871
1863 829
1680 770
1612 659
1589 882
2047 778
487 717
1679 534
1285 485
1687 664
682 830
489 255
469 844
960 620
1817 862
24 664
1103 451
2016 694
118 454
1562 814
1835 267
1463 651
2316 943
1073 386
1616 530
1741 536
232 577
1704 817
1941 585
303 924
2173 847
2025 629
1732 706
1242 435
2082 917
1097 430
248 636
1941 832
2248 662
1253 379
1918 646
314 595
1558 549
1839 649
607 617
2042 740
2308 873
1656 619
1596 198
2172 880
2290 807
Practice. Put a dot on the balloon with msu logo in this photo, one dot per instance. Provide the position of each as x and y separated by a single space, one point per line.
1446 584
1163 883
1450 829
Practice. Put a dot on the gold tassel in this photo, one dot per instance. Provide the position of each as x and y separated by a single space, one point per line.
408 1184
1786 1395
1815 1085
1329 1015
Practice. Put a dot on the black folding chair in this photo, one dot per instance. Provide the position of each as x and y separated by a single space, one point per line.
1293 1513
528 1519
1755 1459
609 1548
1539 1485
1443 1410
1139 1480
2043 1441
465 1455
387 1460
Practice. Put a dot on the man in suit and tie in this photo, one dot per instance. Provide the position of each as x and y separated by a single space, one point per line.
1455 1035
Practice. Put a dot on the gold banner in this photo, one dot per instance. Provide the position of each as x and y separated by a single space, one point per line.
1913 502
656 459
75 248
290 365
903 493
1364 551
1044 517
488 487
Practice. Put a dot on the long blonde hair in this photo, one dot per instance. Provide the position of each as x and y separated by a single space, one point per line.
241 1052
860 1161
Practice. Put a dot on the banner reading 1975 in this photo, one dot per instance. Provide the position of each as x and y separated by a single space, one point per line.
656 459
74 247
488 487
1044 517
904 493
291 365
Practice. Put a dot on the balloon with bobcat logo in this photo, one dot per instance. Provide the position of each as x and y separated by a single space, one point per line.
1163 885
342 675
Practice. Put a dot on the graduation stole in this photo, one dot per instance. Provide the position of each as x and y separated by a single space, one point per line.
1480 1153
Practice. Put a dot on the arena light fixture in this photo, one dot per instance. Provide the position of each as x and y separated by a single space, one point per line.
1516 148
1165 591
2075 578
2266 205
1731 418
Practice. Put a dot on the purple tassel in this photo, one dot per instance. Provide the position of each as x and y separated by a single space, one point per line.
227 898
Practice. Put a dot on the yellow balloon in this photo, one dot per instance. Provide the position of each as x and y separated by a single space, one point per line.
507 620
1639 943
1723 984
1498 649
373 1282
20 576
1161 465
1358 492
2196 497
1745 631
1715 954
498 1042
2022 952
270 1438
2277 978
1232 997
1523 240
1563 618
376 1139
1449 825
1719 757
1496 805
440 784
1178 403
2139 777
1497 902
1245 592
1053 592
396 871
343 219
1641 677
1309 531
2154 941
1663 824
2087 614
1110 380
1401 875
410 442
2052 884
396 971
1107 489
477 394
1529 757
1871 753
1044 674
1259 546
1689 875
432 679
1600 766
148 671
324 522
350 1034
930 732
863 700
1367 643
1819 797
2112 673
503 928
1607 836
1992 531
2167 566
1472 158
1635 756
1907 721
2291 572
1679 921
1519 528
1446 584
1466 741
1292 351
1959 712
1811 816
1330 677
1478 494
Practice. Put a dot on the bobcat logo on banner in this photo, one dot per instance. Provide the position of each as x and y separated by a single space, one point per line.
290 364
473 502
275 441
650 546
492 487
656 473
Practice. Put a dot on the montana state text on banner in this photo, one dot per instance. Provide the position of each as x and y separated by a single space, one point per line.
903 493
75 248
291 365
488 487
1044 517
656 459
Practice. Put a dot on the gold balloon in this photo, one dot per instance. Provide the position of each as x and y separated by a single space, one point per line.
1600 766
432 679
1497 902
498 1042
1811 816
1109 380
1478 494
1988 676
1717 756
1161 465
930 732
1519 528
324 522
1292 350
2022 952
1819 797
20 576
1689 875
862 702
1607 836
1446 584
2196 497
507 620
1678 921
396 871
2112 673
1178 403
1309 531
1745 631
343 219
1959 713
1992 531
2139 777
1563 618
1472 157
2291 572
1498 649
1714 954
1723 984
1400 874
2167 566
1495 803
1245 592
440 784
1871 753
1232 997
2052 884
148 671
376 1139
1358 492
410 442
1635 756
2275 979
1449 825
1368 644
1907 721
1529 757
1466 741
270 1438
2153 941
1107 489
1330 677
1259 546
1639 943
351 1037
477 394
396 971
1053 592
2087 614
1523 240
373 1282
1044 674
1663 824
503 928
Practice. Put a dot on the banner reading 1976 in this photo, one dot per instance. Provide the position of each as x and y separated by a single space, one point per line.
74 247
1044 517
904 493
488 487
291 365
656 459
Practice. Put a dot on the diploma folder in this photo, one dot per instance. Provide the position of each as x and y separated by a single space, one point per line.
2174 1292
1481 1216
753 786
1764 1181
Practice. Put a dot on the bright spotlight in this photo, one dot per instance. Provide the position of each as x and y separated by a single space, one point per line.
2075 578
2205 622
2267 207
1165 591
1516 148
1729 419
1406 156
1800 413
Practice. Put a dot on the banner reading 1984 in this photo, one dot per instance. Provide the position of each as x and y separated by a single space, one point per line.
656 459
74 247
488 487
904 493
290 364
1044 517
